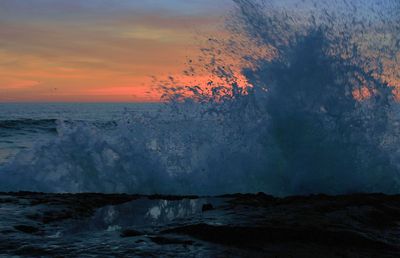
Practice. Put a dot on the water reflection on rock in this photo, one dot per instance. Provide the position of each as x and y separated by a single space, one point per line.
242 225
144 214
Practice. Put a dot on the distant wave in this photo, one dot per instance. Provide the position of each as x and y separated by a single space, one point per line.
47 124
22 124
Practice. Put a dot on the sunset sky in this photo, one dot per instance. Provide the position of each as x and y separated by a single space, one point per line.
98 50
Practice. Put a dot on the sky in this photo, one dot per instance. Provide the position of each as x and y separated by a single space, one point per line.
98 50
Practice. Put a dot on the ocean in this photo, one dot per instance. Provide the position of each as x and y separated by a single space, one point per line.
22 125
319 113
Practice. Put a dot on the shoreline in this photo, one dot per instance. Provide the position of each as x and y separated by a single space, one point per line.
236 225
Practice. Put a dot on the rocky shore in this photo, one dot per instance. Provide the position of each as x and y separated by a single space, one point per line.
239 225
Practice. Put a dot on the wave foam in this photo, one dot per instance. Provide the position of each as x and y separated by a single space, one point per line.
299 128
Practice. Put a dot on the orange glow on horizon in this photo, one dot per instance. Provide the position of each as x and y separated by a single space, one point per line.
99 57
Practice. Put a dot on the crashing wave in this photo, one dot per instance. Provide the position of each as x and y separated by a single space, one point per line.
319 114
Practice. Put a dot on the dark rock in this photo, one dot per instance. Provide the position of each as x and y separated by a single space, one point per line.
170 241
31 251
207 207
7 231
257 200
252 225
69 206
27 229
8 200
131 233
258 236
171 197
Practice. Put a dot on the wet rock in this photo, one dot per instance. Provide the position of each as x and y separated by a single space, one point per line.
171 197
27 229
241 225
258 236
7 231
31 251
130 233
8 200
69 206
207 207
170 241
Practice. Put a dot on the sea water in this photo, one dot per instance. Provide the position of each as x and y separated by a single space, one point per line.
319 113
22 125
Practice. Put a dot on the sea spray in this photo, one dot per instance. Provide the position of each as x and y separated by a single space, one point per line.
318 114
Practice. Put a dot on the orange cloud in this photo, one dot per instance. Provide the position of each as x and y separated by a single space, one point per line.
99 58
18 84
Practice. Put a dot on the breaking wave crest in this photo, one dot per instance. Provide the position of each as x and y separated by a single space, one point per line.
318 114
